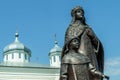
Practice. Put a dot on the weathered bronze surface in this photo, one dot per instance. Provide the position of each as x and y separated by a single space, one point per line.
83 55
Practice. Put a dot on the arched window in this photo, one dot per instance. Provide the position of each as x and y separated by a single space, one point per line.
54 58
25 56
19 55
6 57
12 55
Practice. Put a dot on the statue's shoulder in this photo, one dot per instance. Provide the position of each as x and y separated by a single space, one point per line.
88 28
71 25
75 58
66 57
75 25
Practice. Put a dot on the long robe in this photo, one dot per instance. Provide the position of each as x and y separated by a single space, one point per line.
90 45
77 66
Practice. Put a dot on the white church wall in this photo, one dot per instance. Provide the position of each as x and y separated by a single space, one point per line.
27 76
29 73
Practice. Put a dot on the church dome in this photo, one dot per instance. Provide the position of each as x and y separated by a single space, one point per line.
16 45
55 55
56 48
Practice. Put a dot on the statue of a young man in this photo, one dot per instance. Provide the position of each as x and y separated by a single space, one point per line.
90 45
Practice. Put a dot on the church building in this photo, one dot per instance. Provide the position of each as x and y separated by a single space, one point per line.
16 63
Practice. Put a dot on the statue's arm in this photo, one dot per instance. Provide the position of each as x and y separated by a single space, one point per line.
96 73
95 41
63 71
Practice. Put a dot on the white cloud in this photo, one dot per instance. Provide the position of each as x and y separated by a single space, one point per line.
112 66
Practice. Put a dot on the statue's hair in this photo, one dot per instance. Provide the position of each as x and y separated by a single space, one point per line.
73 12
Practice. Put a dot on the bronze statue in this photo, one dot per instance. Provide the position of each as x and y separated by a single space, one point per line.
90 46
77 66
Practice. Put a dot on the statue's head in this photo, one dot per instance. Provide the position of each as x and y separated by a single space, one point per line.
77 11
74 43
78 14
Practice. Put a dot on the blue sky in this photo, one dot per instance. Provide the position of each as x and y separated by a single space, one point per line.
39 20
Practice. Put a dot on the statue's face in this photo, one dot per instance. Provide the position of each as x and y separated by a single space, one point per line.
79 14
74 43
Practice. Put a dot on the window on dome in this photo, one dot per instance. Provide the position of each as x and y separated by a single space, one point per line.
6 57
54 58
19 55
59 58
12 56
25 56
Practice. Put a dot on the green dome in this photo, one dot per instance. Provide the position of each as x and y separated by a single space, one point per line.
16 45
